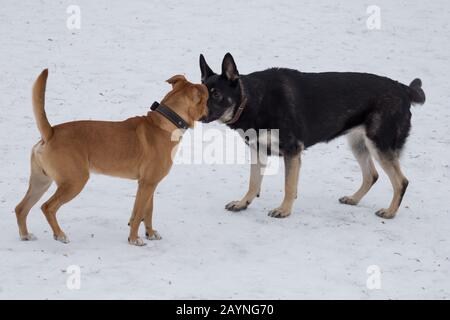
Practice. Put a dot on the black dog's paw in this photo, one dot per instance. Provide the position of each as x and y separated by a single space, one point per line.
348 200
279 213
385 214
237 205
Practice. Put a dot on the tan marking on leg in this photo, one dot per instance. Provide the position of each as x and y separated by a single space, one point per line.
256 176
292 169
38 185
369 173
399 183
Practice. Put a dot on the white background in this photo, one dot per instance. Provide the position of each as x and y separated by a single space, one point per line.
114 67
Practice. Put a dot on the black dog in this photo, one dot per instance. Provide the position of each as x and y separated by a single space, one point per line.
308 108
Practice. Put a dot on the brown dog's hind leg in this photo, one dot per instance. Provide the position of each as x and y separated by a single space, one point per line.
38 185
292 169
65 192
391 165
369 173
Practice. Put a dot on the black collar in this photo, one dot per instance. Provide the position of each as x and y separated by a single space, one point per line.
170 115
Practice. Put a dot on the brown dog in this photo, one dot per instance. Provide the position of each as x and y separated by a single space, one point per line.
138 148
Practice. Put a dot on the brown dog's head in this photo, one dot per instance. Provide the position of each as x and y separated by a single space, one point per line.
187 99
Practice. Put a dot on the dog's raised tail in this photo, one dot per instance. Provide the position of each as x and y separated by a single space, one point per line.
38 97
416 93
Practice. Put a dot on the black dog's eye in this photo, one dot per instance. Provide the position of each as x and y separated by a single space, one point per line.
216 94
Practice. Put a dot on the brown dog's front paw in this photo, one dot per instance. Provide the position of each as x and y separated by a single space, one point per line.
385 214
136 242
279 213
348 200
237 205
61 238
28 237
154 235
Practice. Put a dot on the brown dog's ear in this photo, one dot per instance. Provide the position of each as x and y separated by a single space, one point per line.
199 97
200 93
177 81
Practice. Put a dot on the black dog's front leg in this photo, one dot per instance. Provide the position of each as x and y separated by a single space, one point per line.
292 165
256 176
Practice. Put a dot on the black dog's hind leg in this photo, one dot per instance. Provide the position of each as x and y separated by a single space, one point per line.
391 165
356 139
386 130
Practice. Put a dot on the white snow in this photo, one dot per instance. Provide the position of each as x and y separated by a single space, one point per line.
114 67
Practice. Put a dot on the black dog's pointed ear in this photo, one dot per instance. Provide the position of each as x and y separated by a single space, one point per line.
229 69
205 69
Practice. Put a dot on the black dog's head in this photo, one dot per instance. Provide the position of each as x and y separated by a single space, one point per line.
224 90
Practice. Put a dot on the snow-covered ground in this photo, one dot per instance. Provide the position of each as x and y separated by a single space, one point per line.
114 67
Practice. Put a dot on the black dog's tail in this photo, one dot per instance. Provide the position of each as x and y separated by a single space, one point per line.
416 94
